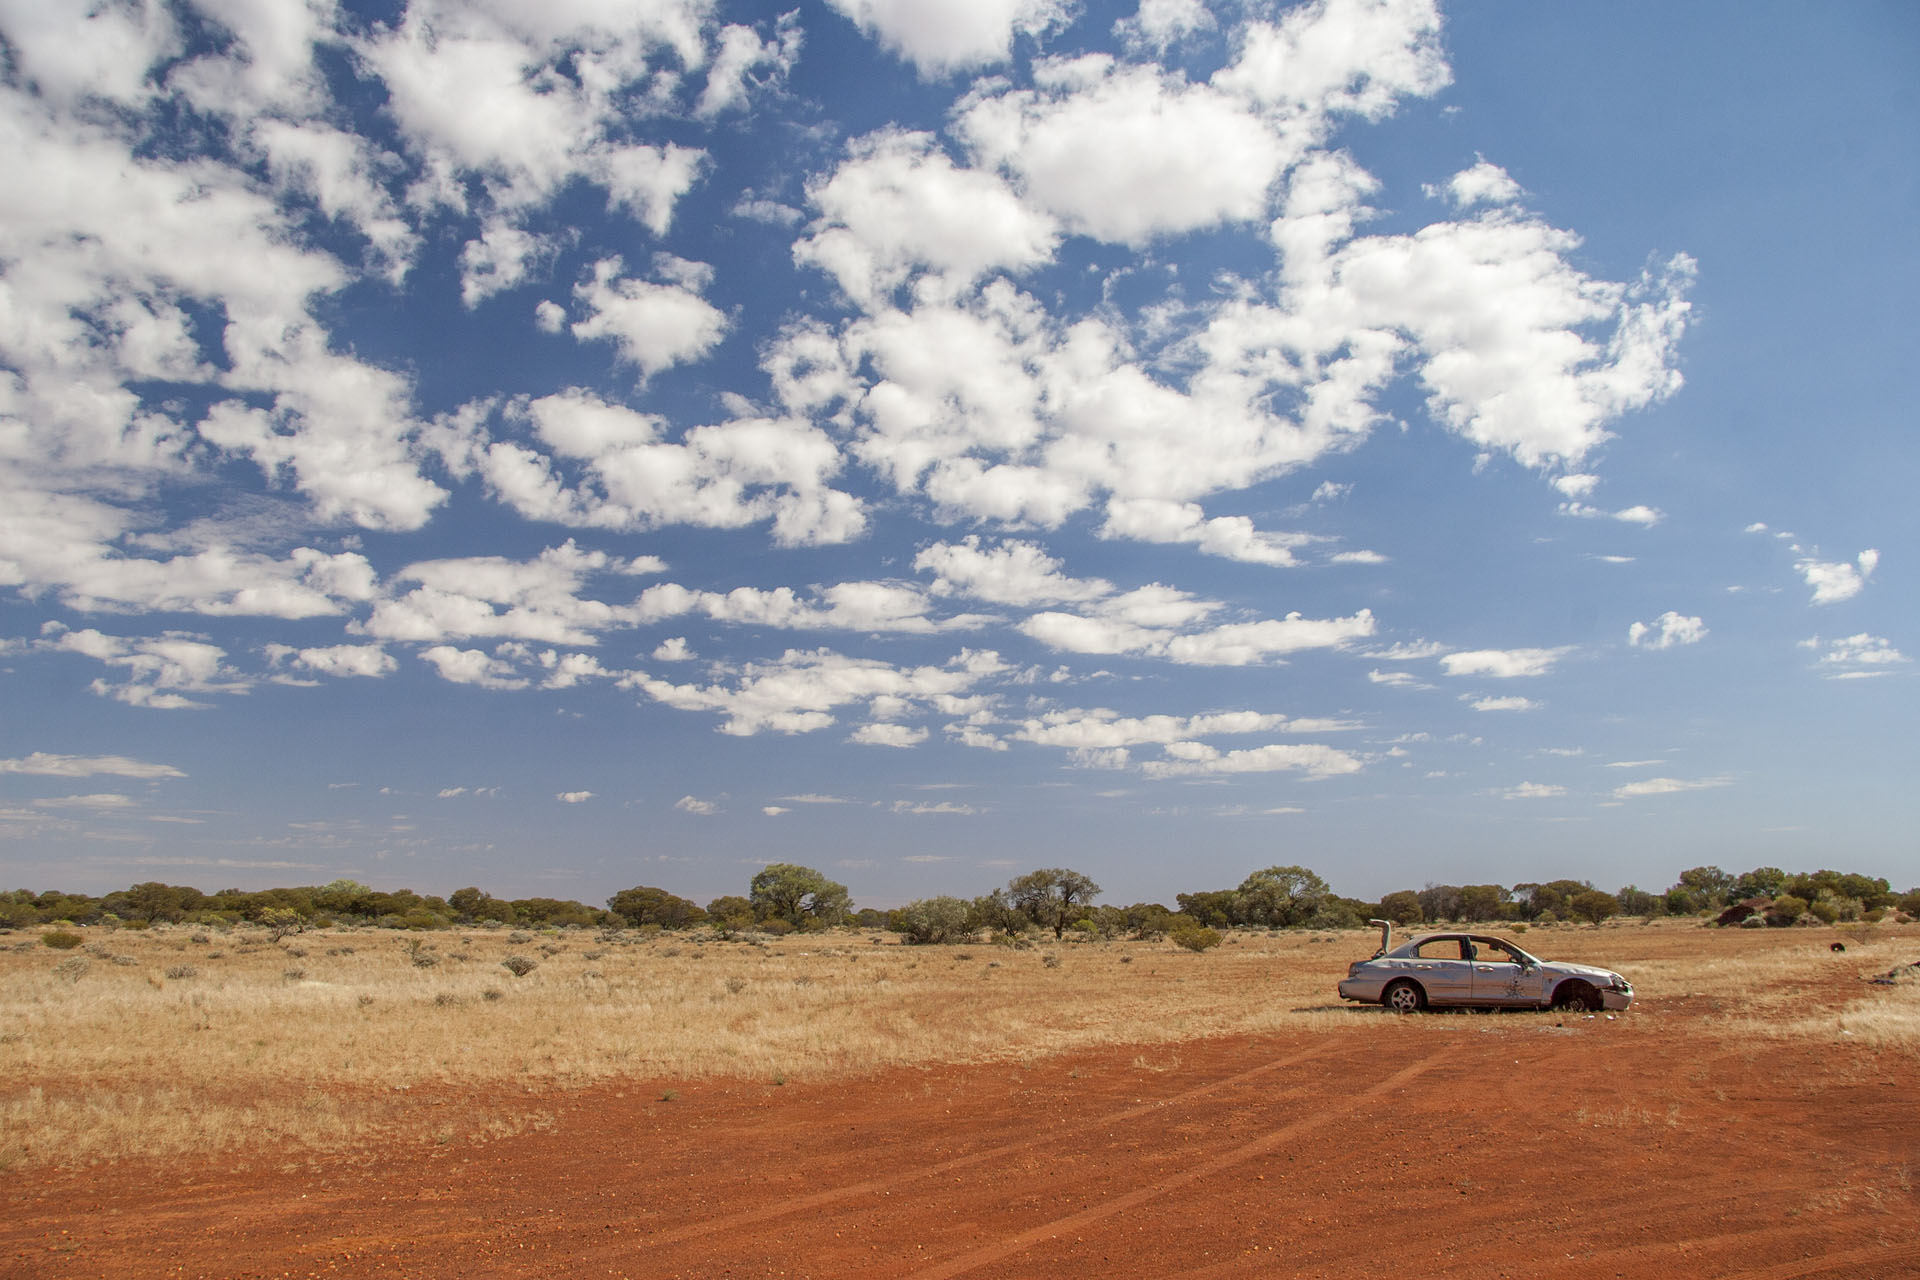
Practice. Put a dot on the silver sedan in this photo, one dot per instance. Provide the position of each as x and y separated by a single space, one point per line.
1477 970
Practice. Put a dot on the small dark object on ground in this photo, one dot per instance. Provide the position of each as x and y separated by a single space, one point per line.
1898 974
1838 946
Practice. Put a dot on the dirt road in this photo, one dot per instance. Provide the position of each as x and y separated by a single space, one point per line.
1450 1145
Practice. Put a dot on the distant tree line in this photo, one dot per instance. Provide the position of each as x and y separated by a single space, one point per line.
785 897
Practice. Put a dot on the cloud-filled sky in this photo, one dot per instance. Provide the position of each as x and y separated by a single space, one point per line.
563 446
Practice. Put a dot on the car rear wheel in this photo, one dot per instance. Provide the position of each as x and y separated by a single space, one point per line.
1404 997
1577 995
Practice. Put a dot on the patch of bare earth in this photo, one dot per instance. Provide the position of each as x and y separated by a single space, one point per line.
1661 1142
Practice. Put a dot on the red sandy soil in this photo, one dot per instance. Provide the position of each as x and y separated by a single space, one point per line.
1518 1145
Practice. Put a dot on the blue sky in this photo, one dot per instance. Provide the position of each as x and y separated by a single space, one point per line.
561 447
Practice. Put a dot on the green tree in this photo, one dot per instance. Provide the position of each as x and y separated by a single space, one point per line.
1761 882
931 920
1402 907
642 905
731 911
799 895
1281 896
1216 908
1709 885
1638 902
1480 902
1052 897
1594 906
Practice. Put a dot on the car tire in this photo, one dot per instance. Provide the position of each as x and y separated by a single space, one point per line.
1404 997
1576 994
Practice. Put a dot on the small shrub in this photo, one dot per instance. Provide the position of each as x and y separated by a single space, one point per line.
123 961
200 938
73 968
425 960
365 1001
1520 926
1196 937
61 940
491 993
1051 960
446 1000
181 972
736 985
520 966
518 936
294 975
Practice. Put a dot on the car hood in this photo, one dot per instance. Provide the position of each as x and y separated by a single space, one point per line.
1580 970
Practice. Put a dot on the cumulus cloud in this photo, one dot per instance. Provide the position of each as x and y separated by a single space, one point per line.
695 805
801 691
1503 664
334 660
602 465
491 596
1834 581
1534 791
1857 657
943 36
574 797
1503 704
474 666
1666 631
655 325
1199 759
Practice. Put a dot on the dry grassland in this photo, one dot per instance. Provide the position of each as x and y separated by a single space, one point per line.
170 1041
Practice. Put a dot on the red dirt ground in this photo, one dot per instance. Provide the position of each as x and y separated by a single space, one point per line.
1486 1146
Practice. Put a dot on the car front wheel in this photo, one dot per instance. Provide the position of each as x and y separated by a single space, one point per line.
1404 997
1577 995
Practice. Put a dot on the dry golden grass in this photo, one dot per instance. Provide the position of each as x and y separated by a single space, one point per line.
322 1040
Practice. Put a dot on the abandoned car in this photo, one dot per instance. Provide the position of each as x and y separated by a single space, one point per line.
1454 970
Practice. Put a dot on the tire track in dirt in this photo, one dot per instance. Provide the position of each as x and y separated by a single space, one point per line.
1119 1204
873 1186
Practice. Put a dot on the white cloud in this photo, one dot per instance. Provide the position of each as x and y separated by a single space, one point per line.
1534 791
161 670
1858 657
1644 516
943 36
654 325
47 764
741 53
1503 664
98 801
800 691
1484 183
473 666
1833 582
774 810
1011 572
1667 786
889 735
924 807
1503 704
491 596
1159 24
844 606
1310 758
1666 631
897 204
335 660
695 805
574 797
613 467
1126 153
1397 680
